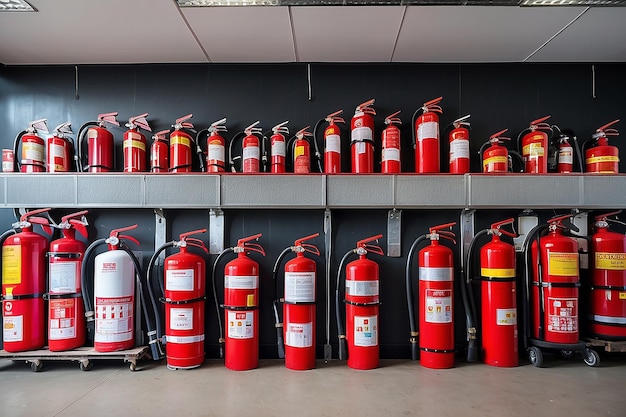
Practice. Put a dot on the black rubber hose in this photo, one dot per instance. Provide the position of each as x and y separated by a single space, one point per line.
199 150
413 138
409 298
519 138
527 255
79 145
469 305
263 140
149 283
231 161
340 331
318 155
217 303
90 324
16 145
279 326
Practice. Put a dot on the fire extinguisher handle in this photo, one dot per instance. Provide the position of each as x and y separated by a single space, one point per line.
374 249
27 215
108 118
310 248
254 247
80 226
606 215
132 239
197 243
183 236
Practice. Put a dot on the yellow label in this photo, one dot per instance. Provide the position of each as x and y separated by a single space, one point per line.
12 264
330 131
533 149
598 159
250 301
562 264
611 261
622 295
135 144
495 160
497 272
180 140
299 151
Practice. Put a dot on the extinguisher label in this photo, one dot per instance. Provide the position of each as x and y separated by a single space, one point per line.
361 133
179 280
506 316
299 151
13 328
300 287
362 288
11 264
488 164
241 324
62 319
278 148
251 152
498 272
241 282
365 330
63 276
184 339
217 152
566 156
33 151
55 151
562 264
391 154
534 149
180 140
133 140
114 319
181 318
563 315
622 295
599 159
436 274
428 130
299 335
361 148
333 143
459 148
438 306
611 261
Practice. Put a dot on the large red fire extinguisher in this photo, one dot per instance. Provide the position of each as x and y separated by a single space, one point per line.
33 148
390 158
602 158
426 137
533 142
61 149
135 144
216 147
495 159
301 151
332 143
460 146
362 307
181 145
100 146
159 152
24 283
299 325
435 300
66 315
607 312
362 138
278 147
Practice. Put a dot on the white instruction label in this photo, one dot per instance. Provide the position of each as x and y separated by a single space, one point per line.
459 148
438 306
181 318
216 152
361 133
391 154
333 143
241 282
179 280
436 274
13 328
114 319
241 324
362 288
278 148
428 130
365 330
506 316
63 276
251 152
299 335
300 287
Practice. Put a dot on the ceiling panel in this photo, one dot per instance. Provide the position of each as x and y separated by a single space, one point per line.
91 32
598 36
346 33
243 34
478 34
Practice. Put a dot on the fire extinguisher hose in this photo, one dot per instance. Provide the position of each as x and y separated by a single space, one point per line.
469 305
277 323
79 145
340 330
217 303
318 155
16 145
231 157
533 235
84 275
409 298
150 284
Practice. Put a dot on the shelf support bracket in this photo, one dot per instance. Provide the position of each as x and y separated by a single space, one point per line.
467 233
394 233
216 231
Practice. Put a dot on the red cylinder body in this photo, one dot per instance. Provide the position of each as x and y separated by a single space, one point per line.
185 275
362 312
159 156
390 159
557 314
251 154
8 160
60 154
362 143
277 142
66 311
602 159
180 151
100 149
23 285
436 298
299 327
607 313
565 158
496 159
459 151
33 153
216 153
427 143
498 304
241 295
534 152
135 156
302 157
332 149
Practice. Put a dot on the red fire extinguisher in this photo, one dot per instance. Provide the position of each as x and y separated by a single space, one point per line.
278 146
436 300
390 158
100 146
607 313
24 283
61 149
135 144
299 327
159 152
426 130
33 148
602 158
181 145
565 152
362 307
301 151
66 315
362 138
495 159
332 143
534 146
251 149
216 147
460 146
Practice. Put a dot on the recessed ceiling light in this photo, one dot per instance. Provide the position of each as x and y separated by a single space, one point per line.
16 6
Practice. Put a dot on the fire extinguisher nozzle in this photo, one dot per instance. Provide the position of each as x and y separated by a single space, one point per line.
414 350
472 351
343 353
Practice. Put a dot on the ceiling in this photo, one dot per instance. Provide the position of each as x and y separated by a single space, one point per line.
158 31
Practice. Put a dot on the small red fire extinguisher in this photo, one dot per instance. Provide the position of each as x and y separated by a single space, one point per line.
251 149
362 138
460 146
534 146
426 137
181 145
301 151
159 152
278 147
61 149
362 307
33 148
390 158
66 315
24 283
216 147
332 143
602 158
135 144
100 146
495 159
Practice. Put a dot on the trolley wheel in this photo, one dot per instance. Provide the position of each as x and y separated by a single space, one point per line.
132 366
535 356
36 366
567 354
85 365
591 358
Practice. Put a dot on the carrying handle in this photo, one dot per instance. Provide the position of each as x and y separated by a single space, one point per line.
300 134
365 107
252 129
281 128
605 216
162 135
244 244
461 121
604 131
559 222
37 125
363 247
496 228
31 217
392 119
186 240
115 237
105 118
300 246
540 123
71 220
63 129
496 137
433 105
334 117
442 230
139 121
218 126
182 123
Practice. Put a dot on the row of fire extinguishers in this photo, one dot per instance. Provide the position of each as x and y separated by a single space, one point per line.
549 281
542 147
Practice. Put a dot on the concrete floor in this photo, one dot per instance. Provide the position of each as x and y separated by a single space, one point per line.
397 388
